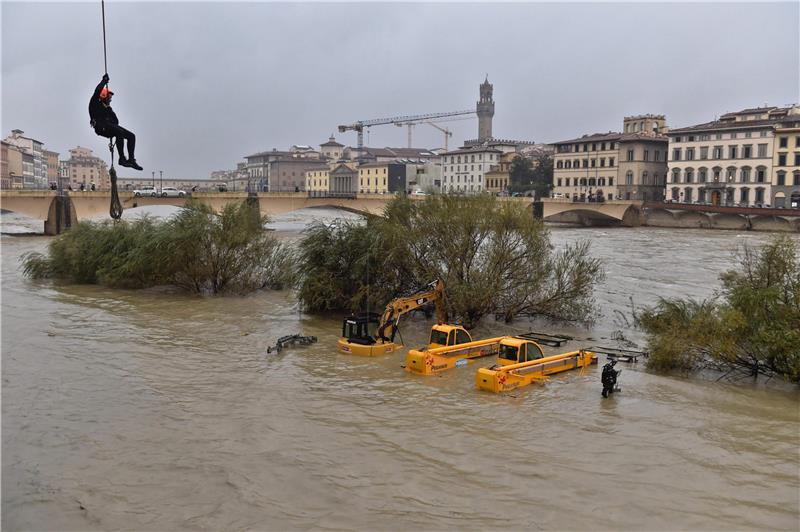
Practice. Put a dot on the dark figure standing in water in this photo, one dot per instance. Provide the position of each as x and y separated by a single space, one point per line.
105 123
609 378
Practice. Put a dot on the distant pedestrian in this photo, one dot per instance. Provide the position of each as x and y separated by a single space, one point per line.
93 187
83 187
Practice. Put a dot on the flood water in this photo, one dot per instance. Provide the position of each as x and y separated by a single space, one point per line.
140 410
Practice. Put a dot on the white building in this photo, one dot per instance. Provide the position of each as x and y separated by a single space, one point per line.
464 170
34 166
725 162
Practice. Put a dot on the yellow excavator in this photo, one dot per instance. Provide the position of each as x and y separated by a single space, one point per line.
370 334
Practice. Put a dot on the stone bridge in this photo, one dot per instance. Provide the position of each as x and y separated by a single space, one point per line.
634 213
60 212
618 212
720 217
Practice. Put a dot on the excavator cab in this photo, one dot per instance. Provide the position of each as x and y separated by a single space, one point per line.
360 328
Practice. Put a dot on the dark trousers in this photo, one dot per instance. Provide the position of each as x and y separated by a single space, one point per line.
121 134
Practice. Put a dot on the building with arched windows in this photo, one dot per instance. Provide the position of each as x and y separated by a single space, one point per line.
609 166
733 160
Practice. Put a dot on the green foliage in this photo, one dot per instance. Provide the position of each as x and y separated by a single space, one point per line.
197 250
527 175
493 257
753 327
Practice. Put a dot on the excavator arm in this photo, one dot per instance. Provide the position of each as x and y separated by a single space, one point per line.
432 293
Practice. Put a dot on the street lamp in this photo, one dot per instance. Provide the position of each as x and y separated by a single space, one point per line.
154 179
161 176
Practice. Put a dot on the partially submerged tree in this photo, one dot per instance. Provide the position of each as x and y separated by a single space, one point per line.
752 327
198 250
493 257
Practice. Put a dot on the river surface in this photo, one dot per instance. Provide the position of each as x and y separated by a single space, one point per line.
145 410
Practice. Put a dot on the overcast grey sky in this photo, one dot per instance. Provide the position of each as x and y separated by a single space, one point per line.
203 84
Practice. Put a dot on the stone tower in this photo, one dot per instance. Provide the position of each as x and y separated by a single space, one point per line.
485 110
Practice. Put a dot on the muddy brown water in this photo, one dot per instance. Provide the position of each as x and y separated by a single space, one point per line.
140 410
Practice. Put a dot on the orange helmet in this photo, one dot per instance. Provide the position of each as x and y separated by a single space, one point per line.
105 93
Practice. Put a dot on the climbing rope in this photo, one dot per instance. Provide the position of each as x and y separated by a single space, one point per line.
115 211
105 56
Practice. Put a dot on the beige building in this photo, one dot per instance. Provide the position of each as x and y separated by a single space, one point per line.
607 166
318 181
332 150
728 161
12 176
498 178
84 168
51 163
786 164
373 178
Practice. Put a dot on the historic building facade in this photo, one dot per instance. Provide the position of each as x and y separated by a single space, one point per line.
786 163
727 161
34 165
606 166
84 168
464 170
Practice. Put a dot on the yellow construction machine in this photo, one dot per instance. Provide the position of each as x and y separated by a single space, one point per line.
370 334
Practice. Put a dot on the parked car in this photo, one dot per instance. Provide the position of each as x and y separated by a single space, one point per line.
419 192
145 191
172 192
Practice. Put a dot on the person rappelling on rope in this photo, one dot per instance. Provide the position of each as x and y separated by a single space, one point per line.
106 124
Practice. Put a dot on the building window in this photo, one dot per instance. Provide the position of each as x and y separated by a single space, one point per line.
744 195
717 152
762 150
676 154
629 178
677 139
701 175
689 175
644 178
559 182
656 155
676 176
586 163
745 174
594 162
646 155
797 159
704 152
796 178
760 175
630 155
782 159
602 162
747 151
781 178
732 152
611 161
748 134
718 136
784 142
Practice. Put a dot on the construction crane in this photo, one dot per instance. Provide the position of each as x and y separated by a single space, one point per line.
409 121
446 131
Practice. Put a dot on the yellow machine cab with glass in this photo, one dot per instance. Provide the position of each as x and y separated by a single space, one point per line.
373 335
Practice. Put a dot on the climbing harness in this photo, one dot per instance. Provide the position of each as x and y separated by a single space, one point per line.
115 211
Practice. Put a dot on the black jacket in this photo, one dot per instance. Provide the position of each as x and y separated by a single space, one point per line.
99 113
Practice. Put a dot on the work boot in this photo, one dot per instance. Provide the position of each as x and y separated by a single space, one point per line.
133 164
124 162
